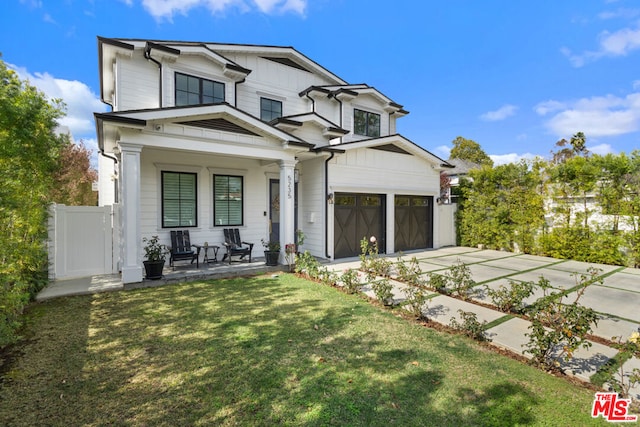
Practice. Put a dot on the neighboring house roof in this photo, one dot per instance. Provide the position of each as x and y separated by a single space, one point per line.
461 167
396 144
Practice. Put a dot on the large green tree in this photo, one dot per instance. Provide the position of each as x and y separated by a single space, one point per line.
468 149
29 150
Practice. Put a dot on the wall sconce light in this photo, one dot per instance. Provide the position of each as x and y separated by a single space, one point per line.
296 175
330 198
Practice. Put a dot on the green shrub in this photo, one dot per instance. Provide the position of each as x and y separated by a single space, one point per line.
416 301
351 281
308 265
470 325
382 288
409 272
510 299
460 281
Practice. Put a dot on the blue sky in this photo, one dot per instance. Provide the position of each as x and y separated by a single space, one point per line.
515 76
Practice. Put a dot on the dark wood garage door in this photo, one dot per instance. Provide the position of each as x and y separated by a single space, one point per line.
413 222
358 216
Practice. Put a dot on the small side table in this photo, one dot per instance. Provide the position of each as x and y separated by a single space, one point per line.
206 248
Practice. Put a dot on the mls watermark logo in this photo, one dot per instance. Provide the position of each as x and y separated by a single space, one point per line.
612 408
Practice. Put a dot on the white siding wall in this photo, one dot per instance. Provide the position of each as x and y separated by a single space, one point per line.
370 170
196 66
255 195
311 206
276 81
138 83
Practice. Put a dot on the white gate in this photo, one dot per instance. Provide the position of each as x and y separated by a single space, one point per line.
81 241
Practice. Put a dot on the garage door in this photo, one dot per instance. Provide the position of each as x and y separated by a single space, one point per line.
413 222
357 216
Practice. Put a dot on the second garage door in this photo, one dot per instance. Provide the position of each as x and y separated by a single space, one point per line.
413 222
357 216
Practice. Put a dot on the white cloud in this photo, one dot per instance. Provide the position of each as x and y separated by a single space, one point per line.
601 149
80 101
596 116
547 107
503 159
166 9
618 43
501 113
624 13
442 151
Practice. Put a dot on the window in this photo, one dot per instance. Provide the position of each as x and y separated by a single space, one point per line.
227 200
179 199
194 90
270 109
366 123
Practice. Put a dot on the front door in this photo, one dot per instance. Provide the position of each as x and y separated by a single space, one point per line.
274 209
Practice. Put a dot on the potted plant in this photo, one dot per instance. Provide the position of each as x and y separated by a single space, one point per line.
271 251
155 253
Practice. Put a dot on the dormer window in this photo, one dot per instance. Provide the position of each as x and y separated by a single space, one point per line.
192 90
366 123
270 109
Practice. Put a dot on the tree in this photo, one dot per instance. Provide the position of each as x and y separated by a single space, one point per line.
578 147
468 149
29 150
75 176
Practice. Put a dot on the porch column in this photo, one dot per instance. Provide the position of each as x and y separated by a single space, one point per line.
287 205
131 239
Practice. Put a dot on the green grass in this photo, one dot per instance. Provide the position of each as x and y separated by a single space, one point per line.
264 351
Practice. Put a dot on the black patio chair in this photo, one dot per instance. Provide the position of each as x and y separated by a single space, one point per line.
235 246
181 248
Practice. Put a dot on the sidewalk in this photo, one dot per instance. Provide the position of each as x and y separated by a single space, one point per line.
617 300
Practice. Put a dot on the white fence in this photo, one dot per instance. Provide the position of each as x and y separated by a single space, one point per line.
81 241
447 226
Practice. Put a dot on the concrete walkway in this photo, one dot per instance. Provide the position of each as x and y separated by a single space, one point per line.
616 300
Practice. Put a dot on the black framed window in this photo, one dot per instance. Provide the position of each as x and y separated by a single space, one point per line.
192 90
228 195
366 123
179 199
270 109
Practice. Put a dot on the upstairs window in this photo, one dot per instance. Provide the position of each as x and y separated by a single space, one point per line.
179 199
366 123
195 90
270 109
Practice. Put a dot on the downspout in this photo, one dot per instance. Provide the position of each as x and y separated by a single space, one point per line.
313 103
147 55
115 169
341 114
235 95
326 204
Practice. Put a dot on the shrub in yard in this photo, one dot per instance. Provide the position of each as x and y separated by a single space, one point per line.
437 282
416 301
510 299
327 277
351 281
460 281
409 272
558 329
470 325
382 288
307 264
623 381
370 260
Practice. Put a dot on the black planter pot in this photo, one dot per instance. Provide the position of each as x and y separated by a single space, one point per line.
271 257
153 269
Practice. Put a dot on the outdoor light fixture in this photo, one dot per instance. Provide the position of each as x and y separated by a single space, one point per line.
330 198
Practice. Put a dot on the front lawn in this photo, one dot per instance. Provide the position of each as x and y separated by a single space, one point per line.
264 351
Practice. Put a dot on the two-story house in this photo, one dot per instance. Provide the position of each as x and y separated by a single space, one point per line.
206 136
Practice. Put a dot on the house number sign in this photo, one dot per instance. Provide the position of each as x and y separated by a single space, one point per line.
289 186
